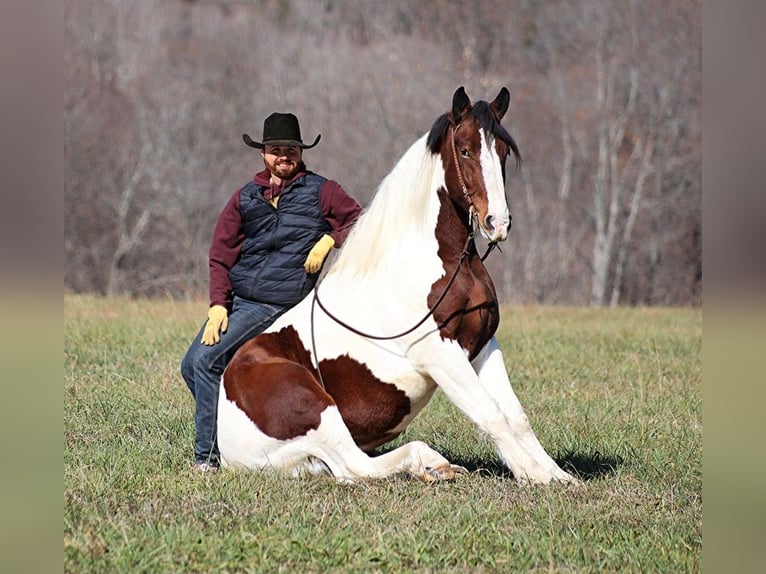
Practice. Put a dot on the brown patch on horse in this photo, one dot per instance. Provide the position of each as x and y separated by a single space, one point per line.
271 379
285 344
370 407
467 139
469 312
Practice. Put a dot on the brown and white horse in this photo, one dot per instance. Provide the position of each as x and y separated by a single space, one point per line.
410 260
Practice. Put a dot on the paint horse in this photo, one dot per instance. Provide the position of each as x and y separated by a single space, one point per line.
312 394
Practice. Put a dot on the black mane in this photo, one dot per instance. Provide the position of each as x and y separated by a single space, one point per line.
482 112
437 133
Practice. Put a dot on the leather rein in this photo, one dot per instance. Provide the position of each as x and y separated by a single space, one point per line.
465 252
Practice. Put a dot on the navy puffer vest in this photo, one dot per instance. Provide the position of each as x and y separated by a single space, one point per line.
277 242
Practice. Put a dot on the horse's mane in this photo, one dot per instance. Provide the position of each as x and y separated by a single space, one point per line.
398 213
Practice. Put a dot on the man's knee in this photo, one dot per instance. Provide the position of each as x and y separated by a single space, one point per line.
204 359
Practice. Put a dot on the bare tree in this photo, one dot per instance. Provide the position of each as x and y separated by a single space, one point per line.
618 132
605 106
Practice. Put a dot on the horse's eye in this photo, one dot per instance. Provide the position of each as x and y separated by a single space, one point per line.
464 153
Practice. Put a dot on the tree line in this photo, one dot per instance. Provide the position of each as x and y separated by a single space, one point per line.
605 106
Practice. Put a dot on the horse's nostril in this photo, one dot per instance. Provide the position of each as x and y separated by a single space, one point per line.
488 222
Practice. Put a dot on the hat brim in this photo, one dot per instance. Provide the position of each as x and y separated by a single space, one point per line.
260 145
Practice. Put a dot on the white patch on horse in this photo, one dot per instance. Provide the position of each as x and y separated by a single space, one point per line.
498 206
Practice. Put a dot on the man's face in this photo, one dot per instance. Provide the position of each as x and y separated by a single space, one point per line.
282 161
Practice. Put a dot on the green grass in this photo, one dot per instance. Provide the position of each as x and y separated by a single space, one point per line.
614 395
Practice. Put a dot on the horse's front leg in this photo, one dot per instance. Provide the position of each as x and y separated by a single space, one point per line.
506 426
493 378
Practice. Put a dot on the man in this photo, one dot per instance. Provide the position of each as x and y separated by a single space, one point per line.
268 247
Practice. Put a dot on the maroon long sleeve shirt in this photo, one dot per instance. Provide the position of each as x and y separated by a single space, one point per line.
340 211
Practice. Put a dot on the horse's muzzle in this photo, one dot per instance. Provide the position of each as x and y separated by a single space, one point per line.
496 228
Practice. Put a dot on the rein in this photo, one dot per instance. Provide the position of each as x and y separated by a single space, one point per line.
469 240
403 333
317 301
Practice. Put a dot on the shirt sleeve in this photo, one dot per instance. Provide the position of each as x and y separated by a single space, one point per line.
340 210
225 247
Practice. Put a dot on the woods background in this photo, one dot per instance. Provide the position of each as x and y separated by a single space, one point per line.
605 106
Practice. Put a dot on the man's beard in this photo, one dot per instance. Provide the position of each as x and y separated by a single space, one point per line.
285 170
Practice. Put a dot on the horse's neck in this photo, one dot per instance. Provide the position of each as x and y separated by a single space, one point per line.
454 229
399 227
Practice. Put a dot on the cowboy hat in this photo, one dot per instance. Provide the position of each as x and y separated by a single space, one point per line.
280 129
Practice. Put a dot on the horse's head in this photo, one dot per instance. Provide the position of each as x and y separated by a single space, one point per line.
474 147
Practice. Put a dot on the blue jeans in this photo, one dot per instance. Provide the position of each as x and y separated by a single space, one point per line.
203 365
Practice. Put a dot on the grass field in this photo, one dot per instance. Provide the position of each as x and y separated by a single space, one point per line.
614 395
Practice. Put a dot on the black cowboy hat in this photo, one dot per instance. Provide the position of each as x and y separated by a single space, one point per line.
280 129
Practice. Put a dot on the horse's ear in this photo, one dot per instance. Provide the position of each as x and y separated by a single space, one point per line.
500 104
460 105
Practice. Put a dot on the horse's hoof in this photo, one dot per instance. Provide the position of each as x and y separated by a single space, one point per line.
571 480
559 478
443 472
563 477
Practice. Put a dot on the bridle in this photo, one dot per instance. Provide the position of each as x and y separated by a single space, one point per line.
463 254
468 196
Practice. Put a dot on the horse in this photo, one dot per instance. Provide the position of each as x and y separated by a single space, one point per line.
407 306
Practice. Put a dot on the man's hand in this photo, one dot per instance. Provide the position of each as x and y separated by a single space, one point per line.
318 253
217 322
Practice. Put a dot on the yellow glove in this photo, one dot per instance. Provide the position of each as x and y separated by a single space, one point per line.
318 253
217 322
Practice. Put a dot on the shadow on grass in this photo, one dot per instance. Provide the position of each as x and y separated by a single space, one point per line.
589 466
585 466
